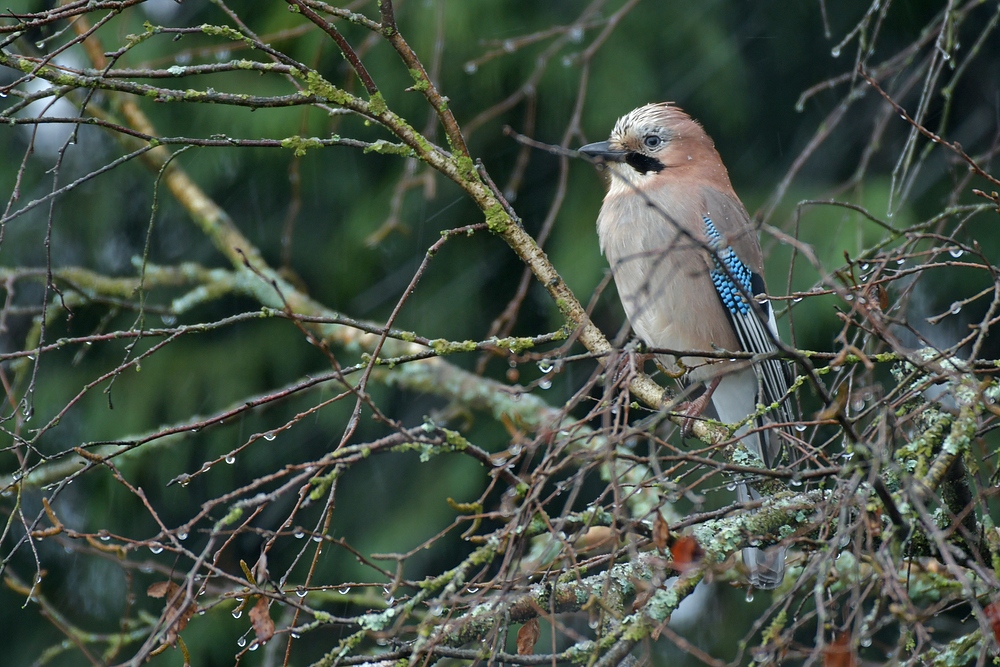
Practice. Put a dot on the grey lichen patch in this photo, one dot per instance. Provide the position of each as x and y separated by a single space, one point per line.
625 579
721 537
663 603
377 621
581 652
962 432
915 455
741 456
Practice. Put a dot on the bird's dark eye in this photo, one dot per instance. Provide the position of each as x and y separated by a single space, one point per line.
652 141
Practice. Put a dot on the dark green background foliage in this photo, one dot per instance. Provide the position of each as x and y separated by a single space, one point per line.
739 67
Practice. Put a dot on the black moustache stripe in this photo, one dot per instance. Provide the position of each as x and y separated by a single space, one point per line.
643 163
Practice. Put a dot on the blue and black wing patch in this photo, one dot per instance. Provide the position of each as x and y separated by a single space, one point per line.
736 284
732 278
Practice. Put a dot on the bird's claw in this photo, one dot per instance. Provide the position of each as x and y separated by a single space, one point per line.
629 365
689 411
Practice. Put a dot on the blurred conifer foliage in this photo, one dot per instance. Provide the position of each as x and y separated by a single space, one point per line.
309 355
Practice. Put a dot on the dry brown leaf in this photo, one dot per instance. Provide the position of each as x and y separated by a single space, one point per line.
836 406
992 611
661 533
527 636
686 553
260 618
176 614
161 588
839 653
883 297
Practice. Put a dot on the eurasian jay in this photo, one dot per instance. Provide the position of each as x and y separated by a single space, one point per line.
690 275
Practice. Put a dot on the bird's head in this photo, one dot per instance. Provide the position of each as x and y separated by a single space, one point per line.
654 142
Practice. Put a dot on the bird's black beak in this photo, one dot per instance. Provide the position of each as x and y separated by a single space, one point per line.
602 152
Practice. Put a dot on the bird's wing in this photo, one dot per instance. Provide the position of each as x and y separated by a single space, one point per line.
733 224
739 283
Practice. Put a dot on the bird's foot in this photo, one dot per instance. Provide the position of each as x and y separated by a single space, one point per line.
689 411
629 365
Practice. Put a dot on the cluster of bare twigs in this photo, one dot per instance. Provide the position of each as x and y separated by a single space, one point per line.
592 522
